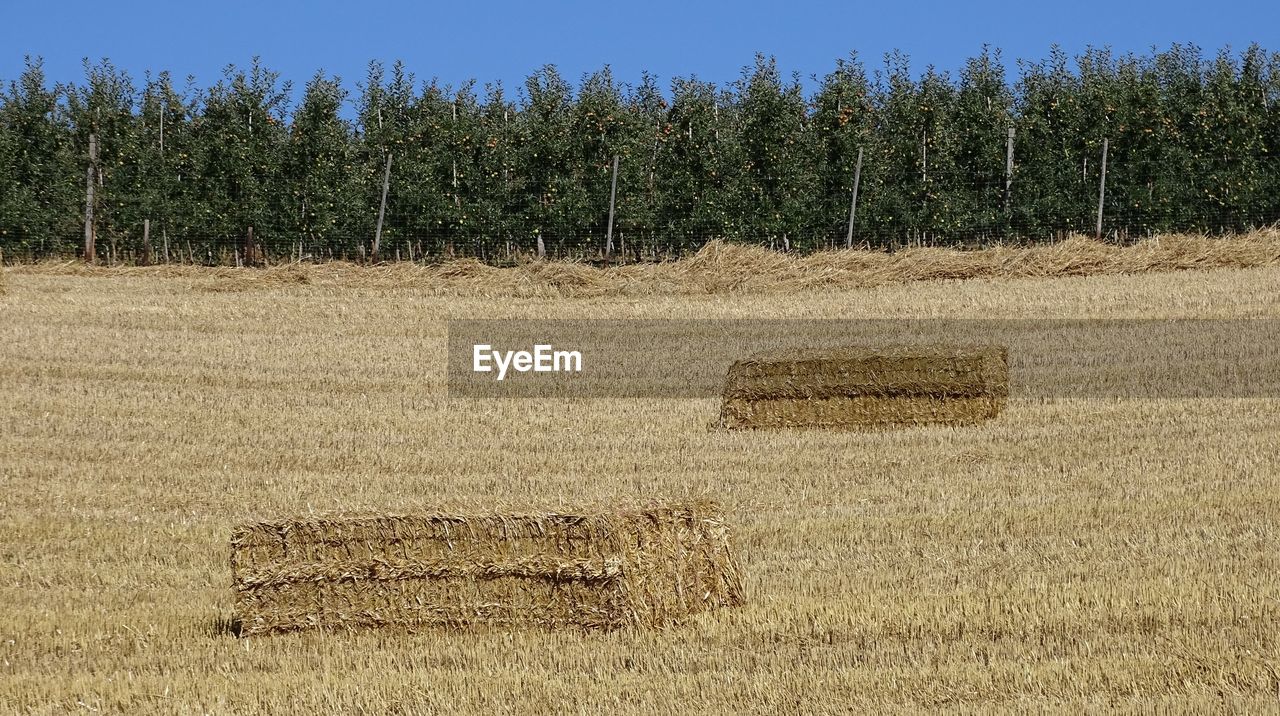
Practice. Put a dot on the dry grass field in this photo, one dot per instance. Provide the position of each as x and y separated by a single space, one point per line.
1072 555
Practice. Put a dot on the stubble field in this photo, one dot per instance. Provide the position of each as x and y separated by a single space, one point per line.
1073 554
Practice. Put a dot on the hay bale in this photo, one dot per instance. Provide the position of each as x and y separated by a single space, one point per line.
864 388
646 567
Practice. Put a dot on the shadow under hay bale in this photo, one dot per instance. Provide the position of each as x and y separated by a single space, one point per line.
867 388
647 567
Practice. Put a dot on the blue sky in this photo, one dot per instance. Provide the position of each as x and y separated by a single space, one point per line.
507 40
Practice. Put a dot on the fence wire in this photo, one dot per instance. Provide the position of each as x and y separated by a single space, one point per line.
501 218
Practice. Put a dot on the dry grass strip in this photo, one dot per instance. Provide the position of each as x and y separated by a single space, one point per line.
726 268
646 567
867 388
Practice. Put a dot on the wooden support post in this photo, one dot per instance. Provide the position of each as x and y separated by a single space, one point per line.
1008 173
924 156
853 204
382 207
653 161
165 234
1102 188
146 242
457 201
613 195
249 247
90 231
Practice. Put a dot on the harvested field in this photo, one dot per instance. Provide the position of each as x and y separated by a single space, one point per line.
730 268
867 388
604 570
1075 555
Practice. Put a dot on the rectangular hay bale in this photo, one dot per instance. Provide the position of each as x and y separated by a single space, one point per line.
645 567
864 388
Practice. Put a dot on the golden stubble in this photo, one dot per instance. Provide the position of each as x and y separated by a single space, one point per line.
1071 554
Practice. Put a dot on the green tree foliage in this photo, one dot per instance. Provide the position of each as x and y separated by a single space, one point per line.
41 172
165 190
1192 146
974 195
319 169
495 191
240 138
896 173
1053 186
104 107
642 184
775 176
691 161
842 122
548 157
598 131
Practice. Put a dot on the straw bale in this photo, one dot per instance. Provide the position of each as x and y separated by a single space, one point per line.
648 567
860 388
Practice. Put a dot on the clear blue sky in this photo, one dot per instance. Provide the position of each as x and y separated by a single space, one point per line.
507 40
